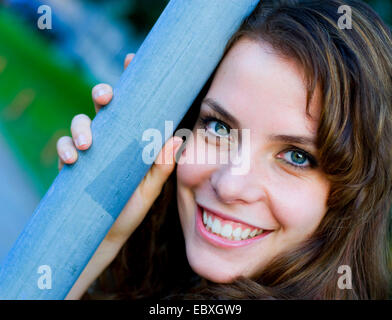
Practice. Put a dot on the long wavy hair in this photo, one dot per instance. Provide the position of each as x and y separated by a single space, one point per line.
353 69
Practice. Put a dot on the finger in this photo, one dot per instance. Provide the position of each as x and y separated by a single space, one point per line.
163 166
60 164
102 94
128 59
66 151
145 194
81 131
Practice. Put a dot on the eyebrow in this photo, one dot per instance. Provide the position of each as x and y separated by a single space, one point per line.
303 140
219 109
294 139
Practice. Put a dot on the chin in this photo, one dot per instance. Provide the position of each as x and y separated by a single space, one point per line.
213 275
211 268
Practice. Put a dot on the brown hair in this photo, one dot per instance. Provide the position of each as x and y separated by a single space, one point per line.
353 68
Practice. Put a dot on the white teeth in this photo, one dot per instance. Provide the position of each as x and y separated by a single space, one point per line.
216 226
245 233
237 233
226 231
253 233
209 222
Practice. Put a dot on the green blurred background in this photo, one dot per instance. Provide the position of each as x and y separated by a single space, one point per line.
46 78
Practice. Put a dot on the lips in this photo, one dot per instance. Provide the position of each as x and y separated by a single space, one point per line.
223 231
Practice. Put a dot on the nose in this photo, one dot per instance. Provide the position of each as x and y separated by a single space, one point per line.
233 188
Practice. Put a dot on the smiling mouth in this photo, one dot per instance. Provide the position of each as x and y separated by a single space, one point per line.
228 230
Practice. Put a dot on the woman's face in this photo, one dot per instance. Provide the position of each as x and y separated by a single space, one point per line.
234 224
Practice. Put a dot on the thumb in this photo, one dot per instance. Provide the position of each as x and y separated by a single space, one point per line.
161 169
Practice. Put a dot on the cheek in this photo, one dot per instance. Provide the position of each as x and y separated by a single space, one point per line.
301 207
189 177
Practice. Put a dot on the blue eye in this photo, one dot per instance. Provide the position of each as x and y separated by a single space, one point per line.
216 126
297 158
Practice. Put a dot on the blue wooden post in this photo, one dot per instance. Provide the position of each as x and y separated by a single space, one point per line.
167 73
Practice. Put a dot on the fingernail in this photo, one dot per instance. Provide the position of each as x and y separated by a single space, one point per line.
129 55
100 92
81 140
67 155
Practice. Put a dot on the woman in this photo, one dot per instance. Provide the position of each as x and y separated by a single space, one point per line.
316 100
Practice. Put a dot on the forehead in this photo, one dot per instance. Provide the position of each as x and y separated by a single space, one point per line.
264 89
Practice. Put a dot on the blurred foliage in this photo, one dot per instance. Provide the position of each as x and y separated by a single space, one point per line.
383 8
39 96
142 14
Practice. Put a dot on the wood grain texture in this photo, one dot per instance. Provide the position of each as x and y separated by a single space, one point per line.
168 71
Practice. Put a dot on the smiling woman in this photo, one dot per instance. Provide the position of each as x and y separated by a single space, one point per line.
316 100
281 193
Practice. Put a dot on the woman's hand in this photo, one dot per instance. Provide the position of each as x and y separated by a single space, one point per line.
137 206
